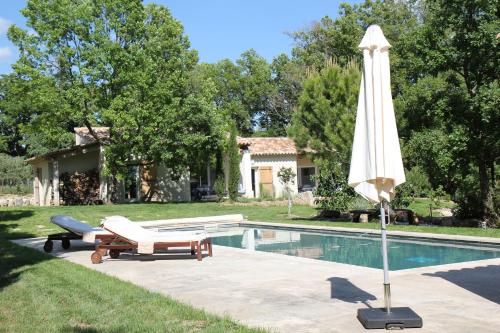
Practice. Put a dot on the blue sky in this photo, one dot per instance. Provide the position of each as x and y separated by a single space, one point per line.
218 29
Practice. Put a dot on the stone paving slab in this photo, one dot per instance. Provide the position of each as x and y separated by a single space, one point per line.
292 294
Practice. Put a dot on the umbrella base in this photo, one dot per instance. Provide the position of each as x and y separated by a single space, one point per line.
403 317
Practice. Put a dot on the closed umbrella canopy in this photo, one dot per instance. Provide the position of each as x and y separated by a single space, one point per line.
376 165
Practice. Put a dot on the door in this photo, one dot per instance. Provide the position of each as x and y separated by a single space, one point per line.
36 186
266 181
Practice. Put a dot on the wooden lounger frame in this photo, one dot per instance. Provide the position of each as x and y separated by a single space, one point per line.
65 238
115 244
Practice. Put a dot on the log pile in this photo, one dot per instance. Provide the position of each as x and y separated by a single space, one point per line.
80 188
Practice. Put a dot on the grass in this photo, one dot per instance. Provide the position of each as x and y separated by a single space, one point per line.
41 293
33 222
421 206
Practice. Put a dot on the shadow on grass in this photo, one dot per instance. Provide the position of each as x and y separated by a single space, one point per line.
15 260
14 215
482 281
344 290
78 329
8 228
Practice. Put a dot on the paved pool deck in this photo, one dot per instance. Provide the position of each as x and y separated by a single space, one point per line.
292 294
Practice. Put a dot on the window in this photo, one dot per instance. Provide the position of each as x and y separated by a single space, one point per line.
306 180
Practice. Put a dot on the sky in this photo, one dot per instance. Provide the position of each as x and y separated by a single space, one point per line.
218 29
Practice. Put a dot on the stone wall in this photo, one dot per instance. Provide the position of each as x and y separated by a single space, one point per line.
16 201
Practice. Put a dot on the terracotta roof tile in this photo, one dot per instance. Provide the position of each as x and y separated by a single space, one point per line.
269 145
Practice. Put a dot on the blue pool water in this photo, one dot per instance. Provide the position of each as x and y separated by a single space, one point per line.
354 249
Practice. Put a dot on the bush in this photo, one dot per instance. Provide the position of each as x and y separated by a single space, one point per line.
333 192
233 152
360 203
220 188
417 182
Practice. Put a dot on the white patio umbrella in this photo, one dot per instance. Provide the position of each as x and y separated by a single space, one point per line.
376 164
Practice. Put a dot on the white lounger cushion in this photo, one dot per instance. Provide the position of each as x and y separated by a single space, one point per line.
146 239
87 232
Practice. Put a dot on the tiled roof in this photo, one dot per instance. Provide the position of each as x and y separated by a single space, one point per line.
101 132
269 145
83 136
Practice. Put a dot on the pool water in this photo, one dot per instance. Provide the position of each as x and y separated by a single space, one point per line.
354 249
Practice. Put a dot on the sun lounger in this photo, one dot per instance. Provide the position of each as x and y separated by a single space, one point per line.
129 235
75 230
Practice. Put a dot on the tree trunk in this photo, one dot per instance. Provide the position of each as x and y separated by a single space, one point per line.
488 209
289 203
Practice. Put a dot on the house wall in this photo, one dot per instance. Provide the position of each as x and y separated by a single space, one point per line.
276 162
164 187
42 183
78 162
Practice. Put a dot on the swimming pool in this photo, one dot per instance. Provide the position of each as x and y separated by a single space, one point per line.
351 248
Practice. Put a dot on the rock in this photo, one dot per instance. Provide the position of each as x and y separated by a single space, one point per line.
26 202
18 202
10 202
3 203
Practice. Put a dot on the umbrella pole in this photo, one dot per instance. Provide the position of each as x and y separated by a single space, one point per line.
387 285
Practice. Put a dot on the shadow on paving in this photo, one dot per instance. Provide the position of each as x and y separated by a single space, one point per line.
482 281
344 290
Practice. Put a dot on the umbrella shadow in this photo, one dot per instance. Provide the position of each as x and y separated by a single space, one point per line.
482 281
344 290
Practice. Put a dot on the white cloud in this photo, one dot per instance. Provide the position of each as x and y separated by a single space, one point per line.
5 53
4 25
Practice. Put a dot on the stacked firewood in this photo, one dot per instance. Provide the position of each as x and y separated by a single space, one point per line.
79 188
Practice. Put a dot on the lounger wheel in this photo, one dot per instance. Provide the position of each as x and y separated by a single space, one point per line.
48 246
96 258
114 253
65 243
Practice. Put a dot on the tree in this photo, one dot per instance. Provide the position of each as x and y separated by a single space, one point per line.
14 174
256 86
124 65
325 117
28 123
233 155
324 122
339 38
228 97
286 177
460 37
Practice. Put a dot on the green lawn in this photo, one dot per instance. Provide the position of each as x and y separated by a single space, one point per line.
41 293
32 222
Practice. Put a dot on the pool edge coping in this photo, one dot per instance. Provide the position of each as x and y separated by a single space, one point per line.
422 235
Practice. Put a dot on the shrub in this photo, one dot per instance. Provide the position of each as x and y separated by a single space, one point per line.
332 191
220 187
233 152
